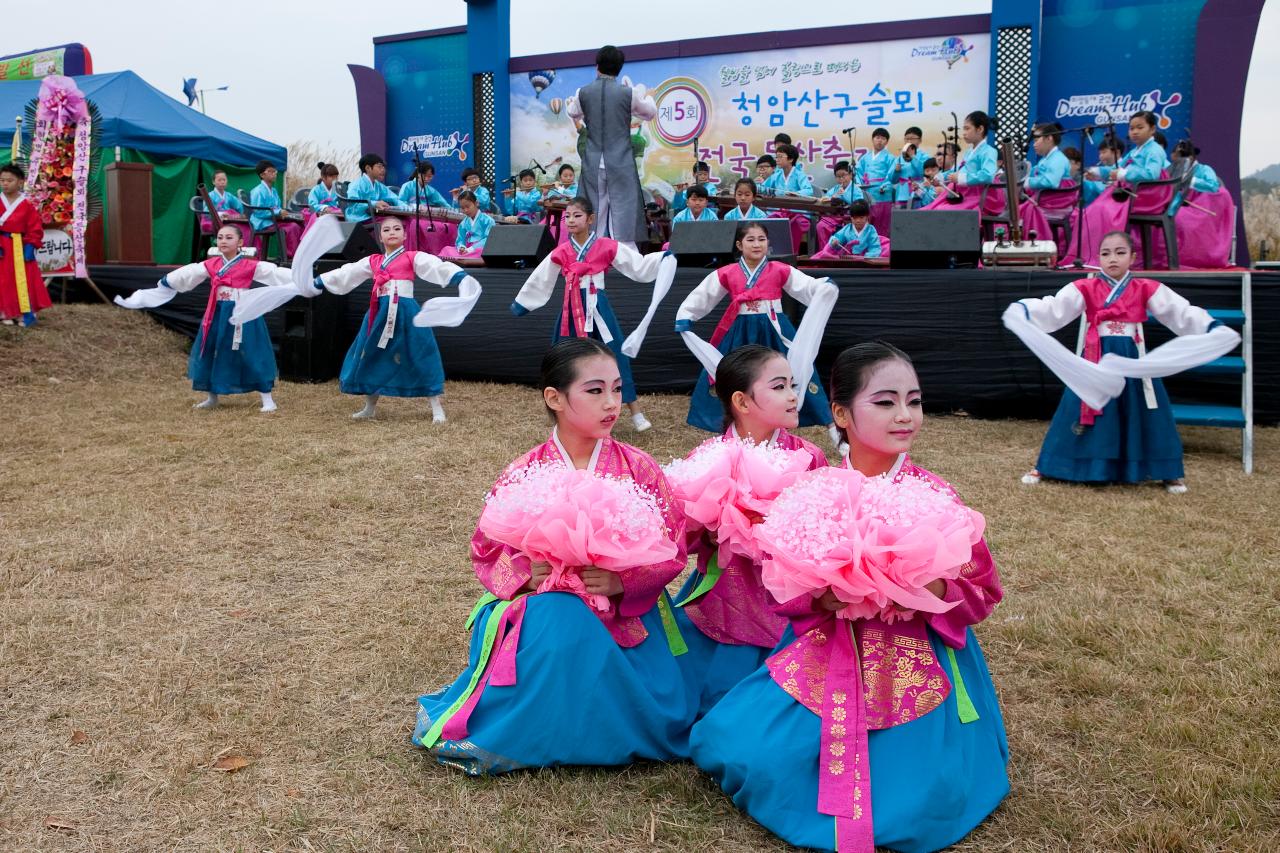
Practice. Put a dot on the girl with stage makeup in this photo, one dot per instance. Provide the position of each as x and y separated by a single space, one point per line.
22 290
862 732
585 311
1133 437
226 358
755 286
725 614
395 353
552 679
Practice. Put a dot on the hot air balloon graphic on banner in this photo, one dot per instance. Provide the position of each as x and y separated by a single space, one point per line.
540 80
556 105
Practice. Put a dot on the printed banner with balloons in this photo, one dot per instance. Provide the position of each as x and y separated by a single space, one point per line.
733 104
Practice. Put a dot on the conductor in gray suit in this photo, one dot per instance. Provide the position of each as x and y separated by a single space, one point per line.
609 176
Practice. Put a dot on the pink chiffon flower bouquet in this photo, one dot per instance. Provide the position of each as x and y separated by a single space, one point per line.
571 519
727 487
875 543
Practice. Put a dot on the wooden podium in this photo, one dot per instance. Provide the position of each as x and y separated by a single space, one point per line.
129 213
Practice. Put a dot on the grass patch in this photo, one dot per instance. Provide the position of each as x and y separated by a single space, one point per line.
178 584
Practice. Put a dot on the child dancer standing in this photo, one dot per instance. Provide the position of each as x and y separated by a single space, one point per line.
586 312
395 353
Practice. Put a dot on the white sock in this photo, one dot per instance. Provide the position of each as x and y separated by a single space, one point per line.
437 410
207 403
370 408
268 404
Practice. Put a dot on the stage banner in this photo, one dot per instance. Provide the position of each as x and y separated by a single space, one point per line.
428 106
33 66
1104 60
734 103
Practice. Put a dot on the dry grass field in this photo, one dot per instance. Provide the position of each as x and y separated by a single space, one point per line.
184 593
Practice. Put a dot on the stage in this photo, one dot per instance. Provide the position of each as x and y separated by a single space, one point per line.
948 320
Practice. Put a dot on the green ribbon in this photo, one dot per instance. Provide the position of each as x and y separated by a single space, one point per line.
481 603
709 580
432 735
675 641
964 704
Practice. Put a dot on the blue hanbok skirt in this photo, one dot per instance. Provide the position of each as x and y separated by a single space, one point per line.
932 780
1127 443
215 368
711 667
705 411
579 697
410 364
611 321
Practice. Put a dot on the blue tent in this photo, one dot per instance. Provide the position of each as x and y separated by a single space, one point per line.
137 115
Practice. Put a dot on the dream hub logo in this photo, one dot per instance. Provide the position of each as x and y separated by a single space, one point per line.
1111 107
950 51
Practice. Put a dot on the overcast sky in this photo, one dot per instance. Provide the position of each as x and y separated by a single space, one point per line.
286 60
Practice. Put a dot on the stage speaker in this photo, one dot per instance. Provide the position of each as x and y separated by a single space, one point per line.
517 246
699 244
357 243
934 239
312 345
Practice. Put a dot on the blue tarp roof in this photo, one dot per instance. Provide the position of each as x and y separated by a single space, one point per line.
137 115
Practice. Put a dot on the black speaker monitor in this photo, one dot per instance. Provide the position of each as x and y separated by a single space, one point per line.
934 239
701 243
517 246
357 243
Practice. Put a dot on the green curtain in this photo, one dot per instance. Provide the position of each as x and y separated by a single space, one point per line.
174 230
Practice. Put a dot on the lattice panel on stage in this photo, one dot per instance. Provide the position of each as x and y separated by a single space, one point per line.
482 109
1013 84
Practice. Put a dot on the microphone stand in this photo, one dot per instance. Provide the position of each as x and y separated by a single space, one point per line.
417 198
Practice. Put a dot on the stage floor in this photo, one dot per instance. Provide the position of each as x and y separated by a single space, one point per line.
947 320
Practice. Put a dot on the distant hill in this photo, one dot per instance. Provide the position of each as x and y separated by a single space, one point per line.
1271 174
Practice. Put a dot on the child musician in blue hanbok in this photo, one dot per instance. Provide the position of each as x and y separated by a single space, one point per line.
744 193
874 174
755 286
1133 437
724 613
225 203
696 207
701 178
225 358
473 230
367 193
435 232
323 199
925 190
550 679
844 192
1050 189
1146 161
791 180
586 312
566 185
395 353
526 199
264 196
908 166
864 732
471 184
1205 215
856 239
975 172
